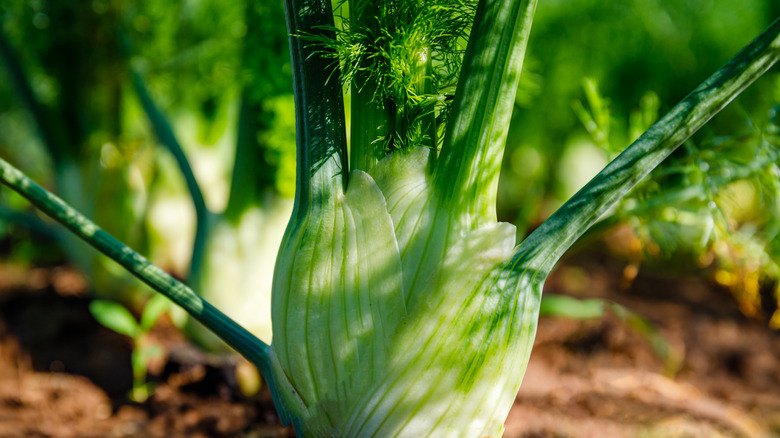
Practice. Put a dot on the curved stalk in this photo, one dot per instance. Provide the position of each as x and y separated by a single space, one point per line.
319 109
255 350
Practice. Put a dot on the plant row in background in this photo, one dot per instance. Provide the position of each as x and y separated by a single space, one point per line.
146 193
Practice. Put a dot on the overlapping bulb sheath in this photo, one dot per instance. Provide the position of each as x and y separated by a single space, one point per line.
394 320
400 307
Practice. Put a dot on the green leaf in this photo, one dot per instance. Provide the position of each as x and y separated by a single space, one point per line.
115 317
569 307
154 308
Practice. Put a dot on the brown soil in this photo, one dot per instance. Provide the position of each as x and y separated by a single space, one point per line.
63 375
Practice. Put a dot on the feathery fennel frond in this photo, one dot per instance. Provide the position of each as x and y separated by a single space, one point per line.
406 54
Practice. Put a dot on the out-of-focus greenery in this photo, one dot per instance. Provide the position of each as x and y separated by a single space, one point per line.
713 206
62 79
629 48
600 74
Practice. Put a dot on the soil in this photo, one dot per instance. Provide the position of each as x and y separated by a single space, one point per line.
64 375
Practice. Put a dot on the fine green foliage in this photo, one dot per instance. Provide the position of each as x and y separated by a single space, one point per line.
714 205
404 58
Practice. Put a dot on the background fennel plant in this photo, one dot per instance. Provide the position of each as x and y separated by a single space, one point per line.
454 202
136 180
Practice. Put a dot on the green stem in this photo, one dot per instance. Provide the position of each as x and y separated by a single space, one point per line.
165 134
319 109
255 350
470 160
547 243
125 256
369 126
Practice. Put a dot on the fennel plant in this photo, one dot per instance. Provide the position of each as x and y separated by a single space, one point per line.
234 246
401 307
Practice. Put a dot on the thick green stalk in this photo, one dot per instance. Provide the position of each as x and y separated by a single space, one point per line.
369 126
255 350
320 181
319 109
470 161
465 174
548 242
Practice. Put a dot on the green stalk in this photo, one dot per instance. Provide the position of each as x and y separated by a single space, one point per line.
548 242
319 109
246 344
159 280
321 172
470 161
465 174
369 126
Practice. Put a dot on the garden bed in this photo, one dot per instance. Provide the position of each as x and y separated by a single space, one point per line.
64 375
